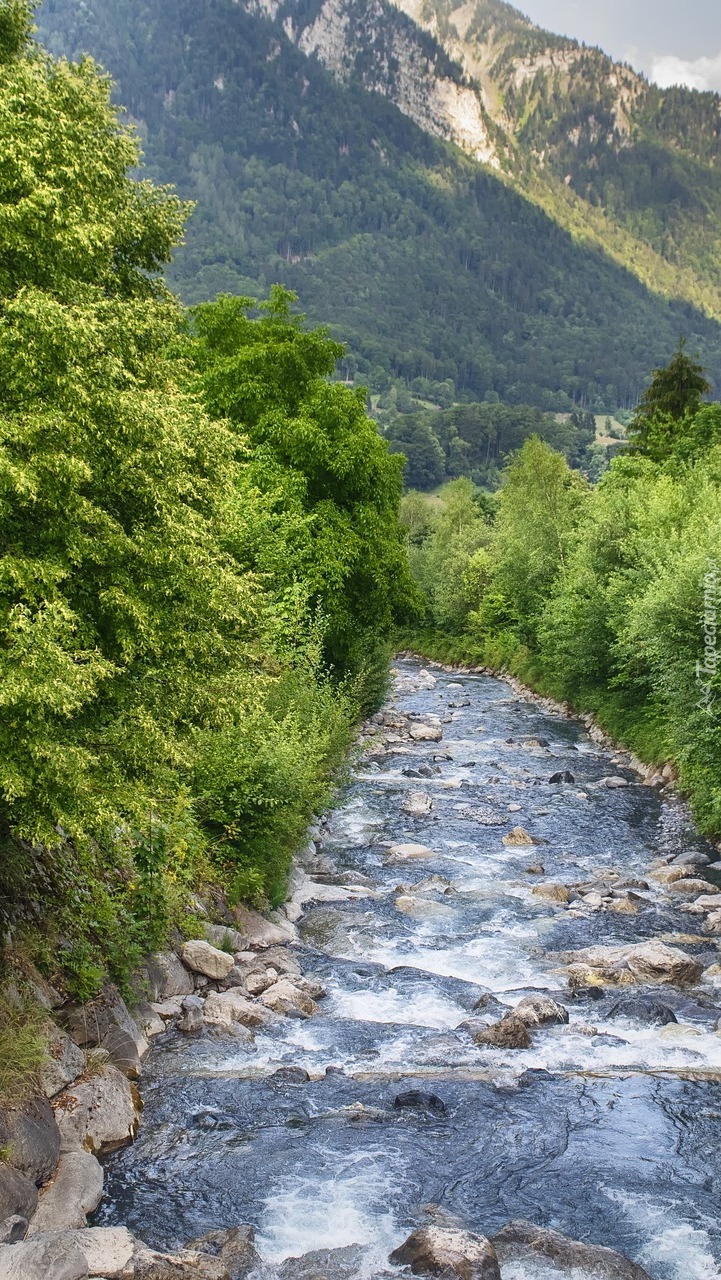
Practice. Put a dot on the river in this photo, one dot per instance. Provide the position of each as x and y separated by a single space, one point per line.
606 1128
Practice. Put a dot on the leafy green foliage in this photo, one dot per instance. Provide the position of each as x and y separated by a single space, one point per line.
200 564
664 422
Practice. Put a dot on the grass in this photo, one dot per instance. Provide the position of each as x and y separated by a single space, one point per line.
23 1049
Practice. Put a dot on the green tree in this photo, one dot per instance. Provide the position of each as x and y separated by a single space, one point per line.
669 403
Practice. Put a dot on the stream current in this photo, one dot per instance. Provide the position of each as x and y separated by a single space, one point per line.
610 1136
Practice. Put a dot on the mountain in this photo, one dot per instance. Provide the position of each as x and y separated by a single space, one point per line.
480 209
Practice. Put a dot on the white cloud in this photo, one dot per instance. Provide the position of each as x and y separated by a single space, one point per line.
695 73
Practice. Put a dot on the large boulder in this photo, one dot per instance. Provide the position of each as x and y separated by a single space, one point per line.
523 1242
420 732
449 1252
655 962
539 1011
122 1051
552 892
168 977
18 1194
510 1033
32 1134
234 1247
259 932
99 1114
64 1064
52 1258
645 1009
344 1263
228 1009
75 1191
88 1024
417 803
284 997
206 959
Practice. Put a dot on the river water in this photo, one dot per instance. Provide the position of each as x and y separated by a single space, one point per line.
611 1137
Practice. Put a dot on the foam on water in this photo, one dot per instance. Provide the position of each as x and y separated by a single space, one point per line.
422 1009
682 1249
344 1202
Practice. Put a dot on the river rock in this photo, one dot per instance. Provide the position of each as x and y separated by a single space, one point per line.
52 1258
692 887
448 1252
425 732
705 902
168 977
643 1009
408 852
614 783
99 1114
518 836
694 858
412 904
207 960
32 1134
64 1064
418 1100
418 804
224 937
18 1194
13 1229
552 892
259 932
283 997
540 1011
75 1191
89 1024
191 1019
234 1247
655 962
510 1033
229 1008
523 1242
122 1051
150 1023
561 776
330 1264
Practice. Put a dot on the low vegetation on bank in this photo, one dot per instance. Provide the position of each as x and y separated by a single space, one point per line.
605 596
202 564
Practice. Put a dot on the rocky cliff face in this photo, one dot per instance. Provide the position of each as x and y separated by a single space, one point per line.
387 53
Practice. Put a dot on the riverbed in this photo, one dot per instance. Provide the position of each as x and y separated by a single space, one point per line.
605 1128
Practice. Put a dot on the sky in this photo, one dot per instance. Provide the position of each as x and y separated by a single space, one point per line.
671 41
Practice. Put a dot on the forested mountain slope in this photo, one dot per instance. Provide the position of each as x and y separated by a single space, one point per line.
370 164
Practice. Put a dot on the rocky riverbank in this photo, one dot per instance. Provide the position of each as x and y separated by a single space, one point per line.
441 862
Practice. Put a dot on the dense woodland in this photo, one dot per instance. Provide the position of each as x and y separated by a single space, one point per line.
428 265
202 563
604 595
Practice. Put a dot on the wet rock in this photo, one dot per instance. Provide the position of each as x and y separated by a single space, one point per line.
705 902
535 869
692 887
603 1039
262 933
523 1242
694 858
540 1011
65 1063
292 1075
418 905
418 804
75 1191
225 1009
561 776
655 962
13 1229
18 1194
207 960
234 1247
330 1264
191 1020
448 1252
510 1033
520 837
283 997
99 1114
32 1134
645 1009
614 783
52 1258
425 733
417 1100
552 892
167 977
408 852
